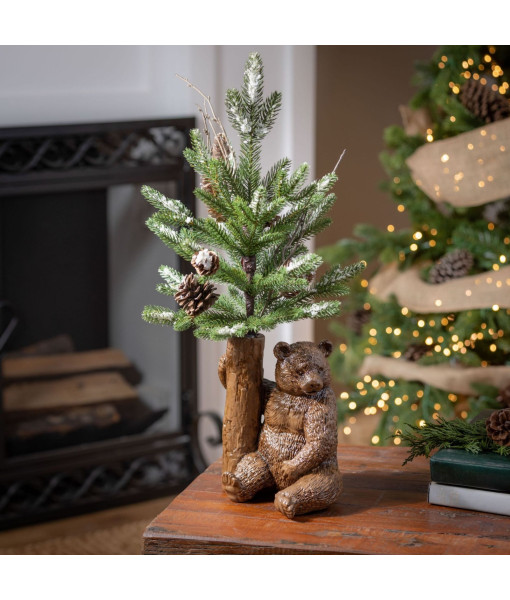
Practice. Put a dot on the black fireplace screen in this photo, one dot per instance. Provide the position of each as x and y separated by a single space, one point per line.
96 408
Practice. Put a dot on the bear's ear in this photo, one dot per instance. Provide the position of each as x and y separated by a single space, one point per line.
326 347
282 350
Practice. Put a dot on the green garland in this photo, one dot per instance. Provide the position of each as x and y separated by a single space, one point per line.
440 434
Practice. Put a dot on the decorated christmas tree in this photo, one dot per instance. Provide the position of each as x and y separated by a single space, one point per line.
253 242
428 336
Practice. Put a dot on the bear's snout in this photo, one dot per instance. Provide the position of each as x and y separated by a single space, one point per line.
312 384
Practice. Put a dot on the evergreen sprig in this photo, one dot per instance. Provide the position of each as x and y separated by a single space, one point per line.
441 434
260 229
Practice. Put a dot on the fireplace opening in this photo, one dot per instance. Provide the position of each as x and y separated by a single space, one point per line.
95 408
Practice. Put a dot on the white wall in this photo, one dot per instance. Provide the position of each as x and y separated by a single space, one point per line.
64 84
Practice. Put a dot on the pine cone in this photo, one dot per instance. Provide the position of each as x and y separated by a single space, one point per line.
359 318
415 351
207 186
221 148
498 427
195 297
205 262
456 263
484 102
504 397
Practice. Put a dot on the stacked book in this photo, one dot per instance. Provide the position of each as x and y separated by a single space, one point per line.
462 479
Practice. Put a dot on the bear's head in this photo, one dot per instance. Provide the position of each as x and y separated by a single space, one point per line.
302 367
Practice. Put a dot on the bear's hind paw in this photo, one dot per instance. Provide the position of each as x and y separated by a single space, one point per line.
232 487
286 504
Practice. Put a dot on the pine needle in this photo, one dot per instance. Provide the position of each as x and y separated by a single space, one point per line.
440 434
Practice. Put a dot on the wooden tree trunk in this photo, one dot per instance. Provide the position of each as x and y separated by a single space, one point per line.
240 371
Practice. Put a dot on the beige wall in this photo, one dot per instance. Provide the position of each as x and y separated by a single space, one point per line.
359 89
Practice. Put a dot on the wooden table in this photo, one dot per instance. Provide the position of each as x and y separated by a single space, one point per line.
382 510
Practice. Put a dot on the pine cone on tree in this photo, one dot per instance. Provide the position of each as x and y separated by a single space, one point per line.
484 102
195 297
220 151
359 318
221 148
207 187
504 397
456 263
415 351
498 427
205 262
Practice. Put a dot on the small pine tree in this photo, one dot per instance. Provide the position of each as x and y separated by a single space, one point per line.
254 240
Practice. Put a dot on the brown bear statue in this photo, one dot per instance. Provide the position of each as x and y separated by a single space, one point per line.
297 444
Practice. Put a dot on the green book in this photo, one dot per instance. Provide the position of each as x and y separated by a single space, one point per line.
485 471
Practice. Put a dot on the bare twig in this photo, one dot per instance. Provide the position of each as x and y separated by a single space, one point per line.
206 128
212 118
339 161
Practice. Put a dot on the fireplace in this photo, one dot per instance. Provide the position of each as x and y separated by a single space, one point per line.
77 429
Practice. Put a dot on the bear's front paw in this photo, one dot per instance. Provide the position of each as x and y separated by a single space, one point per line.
289 472
232 486
286 504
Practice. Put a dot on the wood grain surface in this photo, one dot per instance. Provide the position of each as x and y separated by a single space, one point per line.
382 510
240 371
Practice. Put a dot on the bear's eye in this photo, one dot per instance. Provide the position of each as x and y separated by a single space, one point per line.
301 372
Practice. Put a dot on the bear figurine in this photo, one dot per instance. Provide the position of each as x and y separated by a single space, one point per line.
297 444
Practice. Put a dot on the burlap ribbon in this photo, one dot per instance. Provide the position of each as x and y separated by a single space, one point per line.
483 290
469 169
457 380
